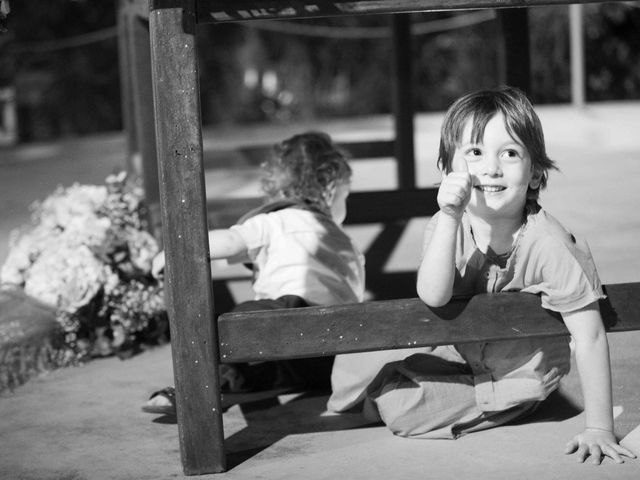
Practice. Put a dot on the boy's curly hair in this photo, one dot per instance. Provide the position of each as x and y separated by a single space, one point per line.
303 168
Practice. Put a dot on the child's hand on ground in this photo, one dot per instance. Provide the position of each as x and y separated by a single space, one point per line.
455 190
596 443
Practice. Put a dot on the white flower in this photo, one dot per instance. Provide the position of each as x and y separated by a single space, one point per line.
111 282
89 230
66 277
143 248
24 248
66 205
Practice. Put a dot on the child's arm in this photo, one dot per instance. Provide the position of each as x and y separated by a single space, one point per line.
437 268
225 243
592 360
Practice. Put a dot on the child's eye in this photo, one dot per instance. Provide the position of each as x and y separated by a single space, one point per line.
473 153
511 154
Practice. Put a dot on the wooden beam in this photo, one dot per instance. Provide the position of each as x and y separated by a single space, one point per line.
137 103
403 100
514 58
219 11
254 155
145 151
194 340
126 87
578 65
392 324
362 207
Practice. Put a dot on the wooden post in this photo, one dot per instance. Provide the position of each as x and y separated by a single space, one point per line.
514 61
194 338
140 49
403 100
123 21
137 103
576 42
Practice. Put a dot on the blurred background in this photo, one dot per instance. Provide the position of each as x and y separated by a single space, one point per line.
59 74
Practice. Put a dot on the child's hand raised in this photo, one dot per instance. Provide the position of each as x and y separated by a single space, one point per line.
455 190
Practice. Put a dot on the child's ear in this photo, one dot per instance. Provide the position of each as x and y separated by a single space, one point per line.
536 180
330 193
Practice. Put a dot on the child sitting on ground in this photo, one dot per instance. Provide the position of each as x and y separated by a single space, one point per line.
491 235
300 255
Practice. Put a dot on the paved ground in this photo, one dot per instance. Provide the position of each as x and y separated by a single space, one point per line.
85 423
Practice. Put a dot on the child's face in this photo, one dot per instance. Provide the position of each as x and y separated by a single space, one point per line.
338 203
500 168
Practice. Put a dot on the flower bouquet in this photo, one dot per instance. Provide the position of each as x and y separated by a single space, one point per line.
88 254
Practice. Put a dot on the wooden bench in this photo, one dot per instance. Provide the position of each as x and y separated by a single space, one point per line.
197 340
406 323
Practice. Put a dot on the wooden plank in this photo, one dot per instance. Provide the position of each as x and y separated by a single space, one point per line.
318 331
142 98
126 87
254 155
390 205
137 103
369 149
514 58
362 207
183 205
219 11
224 212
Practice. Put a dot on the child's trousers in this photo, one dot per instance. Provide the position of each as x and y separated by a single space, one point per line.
432 395
306 373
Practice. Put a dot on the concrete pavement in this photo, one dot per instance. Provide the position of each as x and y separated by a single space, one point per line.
86 423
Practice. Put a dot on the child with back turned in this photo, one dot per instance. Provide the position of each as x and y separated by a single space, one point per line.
298 251
491 235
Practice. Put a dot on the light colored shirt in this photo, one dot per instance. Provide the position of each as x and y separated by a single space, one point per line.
301 252
546 260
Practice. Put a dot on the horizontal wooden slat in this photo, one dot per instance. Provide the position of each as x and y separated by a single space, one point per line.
218 11
224 212
362 207
369 149
390 205
256 154
391 324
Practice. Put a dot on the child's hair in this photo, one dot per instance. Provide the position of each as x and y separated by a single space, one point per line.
303 168
522 123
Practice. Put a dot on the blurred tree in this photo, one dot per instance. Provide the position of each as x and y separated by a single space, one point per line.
550 56
62 56
63 87
220 72
454 62
613 45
